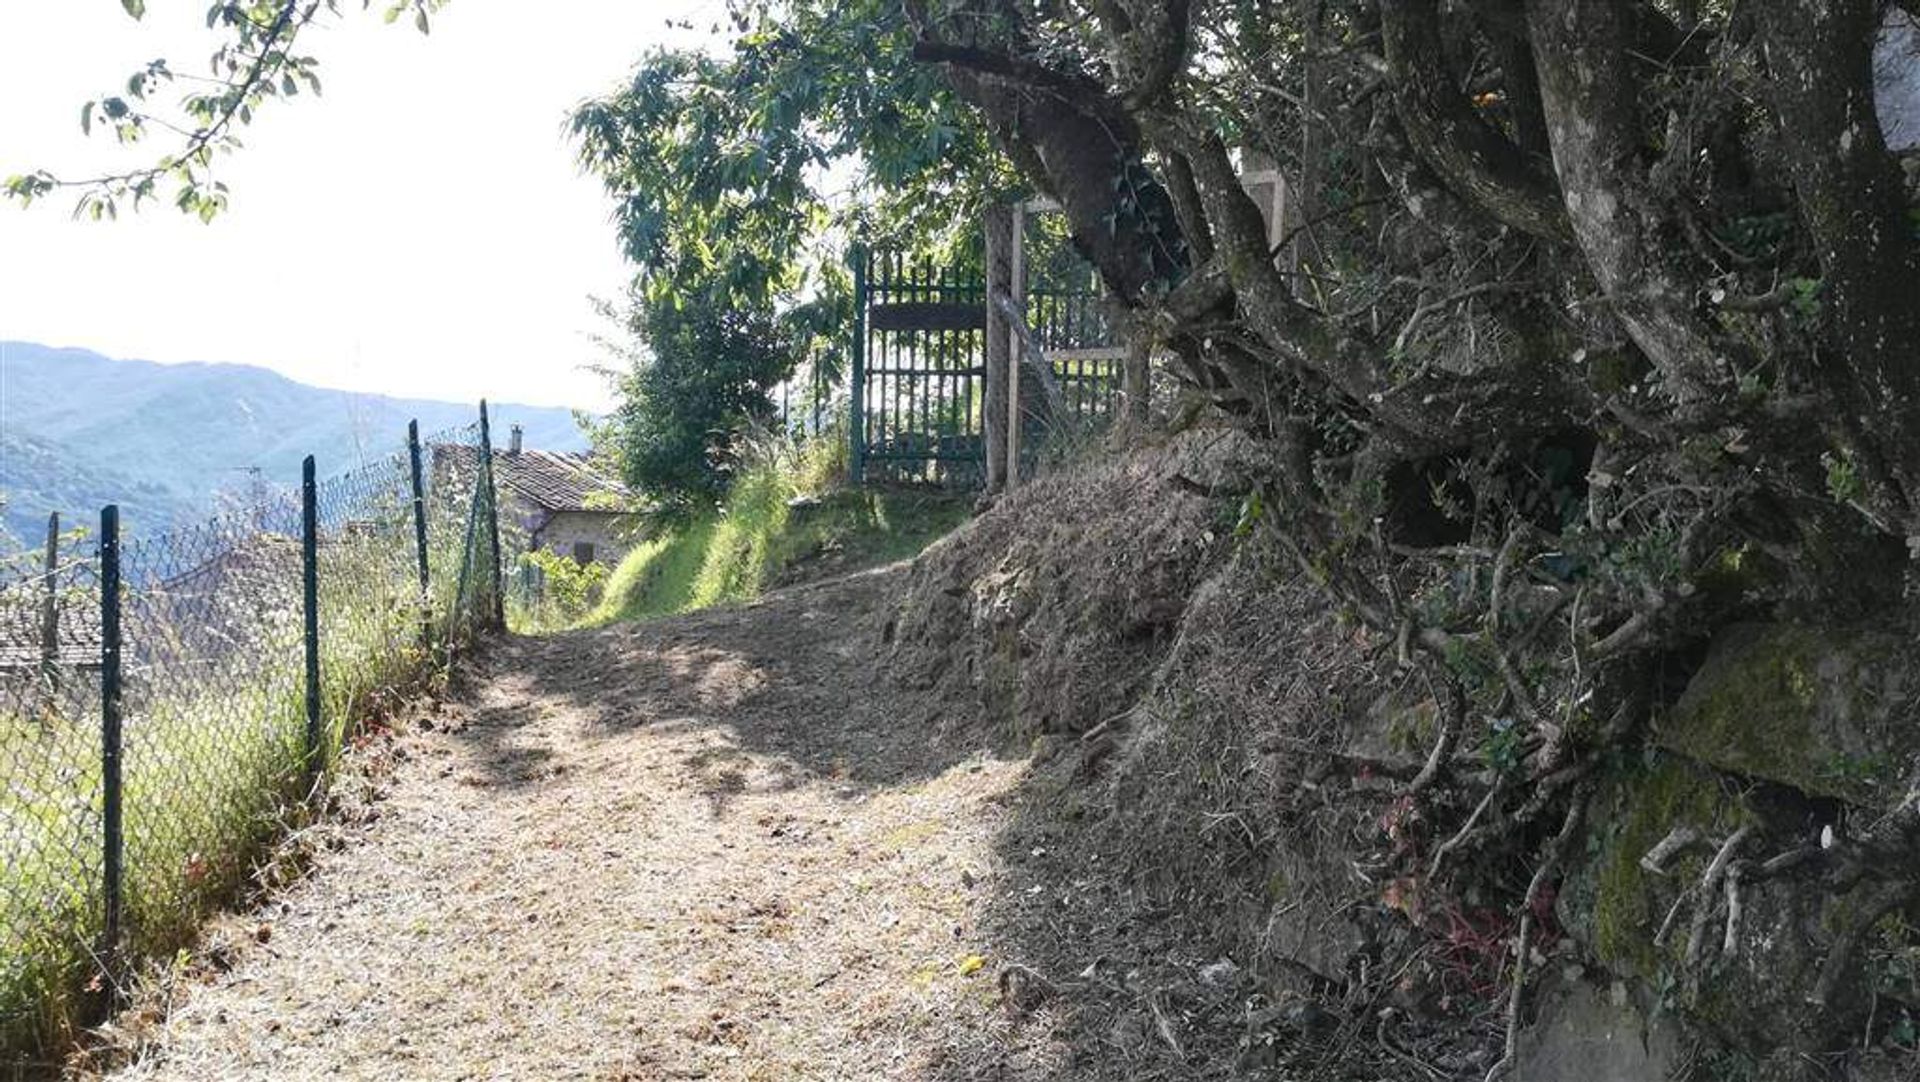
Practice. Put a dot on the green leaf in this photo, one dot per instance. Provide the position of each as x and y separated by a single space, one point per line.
86 119
420 20
1904 1032
135 8
1251 508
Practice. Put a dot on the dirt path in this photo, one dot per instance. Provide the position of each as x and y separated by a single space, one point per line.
709 847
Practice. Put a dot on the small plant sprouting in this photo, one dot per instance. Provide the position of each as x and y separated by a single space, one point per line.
1843 477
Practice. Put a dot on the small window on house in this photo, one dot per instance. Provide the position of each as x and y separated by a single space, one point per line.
583 552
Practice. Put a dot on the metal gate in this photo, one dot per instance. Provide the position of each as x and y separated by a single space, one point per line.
919 372
917 401
1070 326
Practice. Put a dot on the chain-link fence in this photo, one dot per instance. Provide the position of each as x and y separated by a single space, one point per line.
163 702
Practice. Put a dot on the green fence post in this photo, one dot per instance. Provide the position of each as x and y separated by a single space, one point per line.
310 603
456 619
420 535
50 608
857 380
499 606
815 384
112 872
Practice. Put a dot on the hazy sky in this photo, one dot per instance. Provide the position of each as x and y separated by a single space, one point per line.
421 229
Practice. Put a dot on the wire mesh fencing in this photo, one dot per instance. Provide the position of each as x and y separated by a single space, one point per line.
50 804
165 701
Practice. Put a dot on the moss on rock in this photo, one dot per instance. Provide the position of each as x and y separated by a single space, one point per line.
1617 902
1750 991
1823 710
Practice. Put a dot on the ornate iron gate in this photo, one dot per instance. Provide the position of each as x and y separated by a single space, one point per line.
919 372
917 401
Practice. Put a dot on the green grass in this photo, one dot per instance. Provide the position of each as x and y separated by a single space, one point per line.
760 539
206 776
214 767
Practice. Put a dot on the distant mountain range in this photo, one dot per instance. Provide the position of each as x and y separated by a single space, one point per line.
169 441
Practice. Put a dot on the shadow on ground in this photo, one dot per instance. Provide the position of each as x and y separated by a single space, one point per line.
1082 979
798 675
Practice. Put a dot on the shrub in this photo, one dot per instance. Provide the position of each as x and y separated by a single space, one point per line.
567 590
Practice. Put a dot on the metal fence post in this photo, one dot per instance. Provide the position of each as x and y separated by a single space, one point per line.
1016 349
112 836
818 383
857 380
499 606
50 610
420 535
310 603
999 344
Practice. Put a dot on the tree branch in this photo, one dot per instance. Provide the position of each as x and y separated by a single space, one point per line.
1474 160
1820 61
1589 95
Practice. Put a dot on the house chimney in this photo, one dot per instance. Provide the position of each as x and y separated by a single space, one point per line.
513 441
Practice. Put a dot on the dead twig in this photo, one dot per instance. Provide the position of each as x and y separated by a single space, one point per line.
1460 836
1472 291
1709 886
1163 1025
1357 765
1884 900
1789 860
1385 1041
1732 940
1452 704
1496 599
1630 633
1677 839
1524 944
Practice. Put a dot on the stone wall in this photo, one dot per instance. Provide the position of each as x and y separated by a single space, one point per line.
611 534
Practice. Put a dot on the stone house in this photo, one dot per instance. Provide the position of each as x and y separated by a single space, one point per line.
563 502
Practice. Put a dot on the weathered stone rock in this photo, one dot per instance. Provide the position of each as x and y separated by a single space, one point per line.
1399 727
1611 902
1755 994
1314 921
1829 712
1896 78
1587 1034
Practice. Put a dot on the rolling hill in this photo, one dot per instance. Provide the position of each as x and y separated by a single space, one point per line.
78 430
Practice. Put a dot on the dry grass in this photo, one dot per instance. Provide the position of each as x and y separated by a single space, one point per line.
1207 889
691 849
1053 611
733 845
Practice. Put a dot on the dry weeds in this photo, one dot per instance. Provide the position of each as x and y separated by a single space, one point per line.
776 842
701 848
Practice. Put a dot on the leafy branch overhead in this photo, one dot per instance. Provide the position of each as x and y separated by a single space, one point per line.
739 182
255 61
816 124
